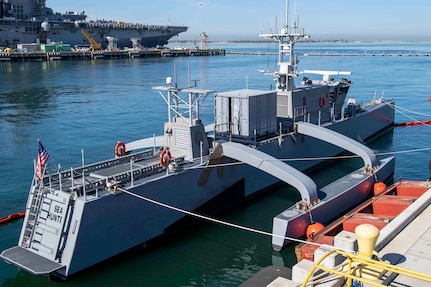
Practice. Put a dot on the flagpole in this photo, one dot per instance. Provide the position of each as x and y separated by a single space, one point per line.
34 174
59 176
83 175
35 164
42 158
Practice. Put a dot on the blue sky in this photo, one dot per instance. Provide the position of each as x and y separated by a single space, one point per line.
244 20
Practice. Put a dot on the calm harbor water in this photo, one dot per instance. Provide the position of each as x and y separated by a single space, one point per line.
74 105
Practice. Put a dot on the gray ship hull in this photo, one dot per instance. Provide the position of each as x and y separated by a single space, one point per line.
30 21
138 224
107 225
147 35
25 32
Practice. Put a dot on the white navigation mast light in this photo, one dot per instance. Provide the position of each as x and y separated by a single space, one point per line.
201 4
203 35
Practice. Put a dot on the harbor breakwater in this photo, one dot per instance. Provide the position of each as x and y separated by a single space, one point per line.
108 54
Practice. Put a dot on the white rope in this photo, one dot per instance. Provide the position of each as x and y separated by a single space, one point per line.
405 151
252 229
314 158
214 220
398 109
282 159
407 110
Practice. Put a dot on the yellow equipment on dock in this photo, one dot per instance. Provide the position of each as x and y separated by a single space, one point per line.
351 269
94 46
364 267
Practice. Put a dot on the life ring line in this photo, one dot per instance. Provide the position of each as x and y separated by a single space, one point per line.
162 157
120 149
322 102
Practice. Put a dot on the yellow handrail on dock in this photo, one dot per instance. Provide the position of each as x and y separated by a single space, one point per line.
354 262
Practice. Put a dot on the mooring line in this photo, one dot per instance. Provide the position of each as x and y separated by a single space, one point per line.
218 221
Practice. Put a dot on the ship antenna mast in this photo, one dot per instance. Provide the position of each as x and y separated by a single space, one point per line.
287 69
287 14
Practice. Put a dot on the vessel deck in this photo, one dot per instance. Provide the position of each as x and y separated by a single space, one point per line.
30 261
143 165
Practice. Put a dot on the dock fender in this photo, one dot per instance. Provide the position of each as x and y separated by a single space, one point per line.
313 228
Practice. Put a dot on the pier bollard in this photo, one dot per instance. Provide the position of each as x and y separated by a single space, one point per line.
367 235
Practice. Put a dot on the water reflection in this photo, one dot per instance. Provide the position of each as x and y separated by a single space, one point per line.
25 106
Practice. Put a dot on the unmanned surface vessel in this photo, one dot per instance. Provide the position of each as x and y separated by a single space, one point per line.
79 217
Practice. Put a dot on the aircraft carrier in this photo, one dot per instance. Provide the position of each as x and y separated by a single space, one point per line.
30 21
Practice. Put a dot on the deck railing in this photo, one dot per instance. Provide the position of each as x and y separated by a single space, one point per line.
83 180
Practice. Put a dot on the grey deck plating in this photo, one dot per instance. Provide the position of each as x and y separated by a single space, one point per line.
29 261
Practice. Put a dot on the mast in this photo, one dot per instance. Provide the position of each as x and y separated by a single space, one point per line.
286 39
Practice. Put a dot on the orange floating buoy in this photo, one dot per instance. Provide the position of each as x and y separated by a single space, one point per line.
313 228
12 217
425 122
379 187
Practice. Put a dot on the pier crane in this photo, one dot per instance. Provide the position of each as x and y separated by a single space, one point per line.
94 46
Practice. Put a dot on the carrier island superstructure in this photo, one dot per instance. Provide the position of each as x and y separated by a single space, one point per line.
30 21
80 217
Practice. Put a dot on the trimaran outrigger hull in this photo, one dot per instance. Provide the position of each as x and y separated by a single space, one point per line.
81 217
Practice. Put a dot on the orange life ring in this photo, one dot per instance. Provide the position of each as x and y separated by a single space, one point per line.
120 149
164 160
322 102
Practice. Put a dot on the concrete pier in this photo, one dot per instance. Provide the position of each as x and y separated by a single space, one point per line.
411 249
404 242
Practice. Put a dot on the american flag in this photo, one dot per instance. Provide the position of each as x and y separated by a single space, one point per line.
42 158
